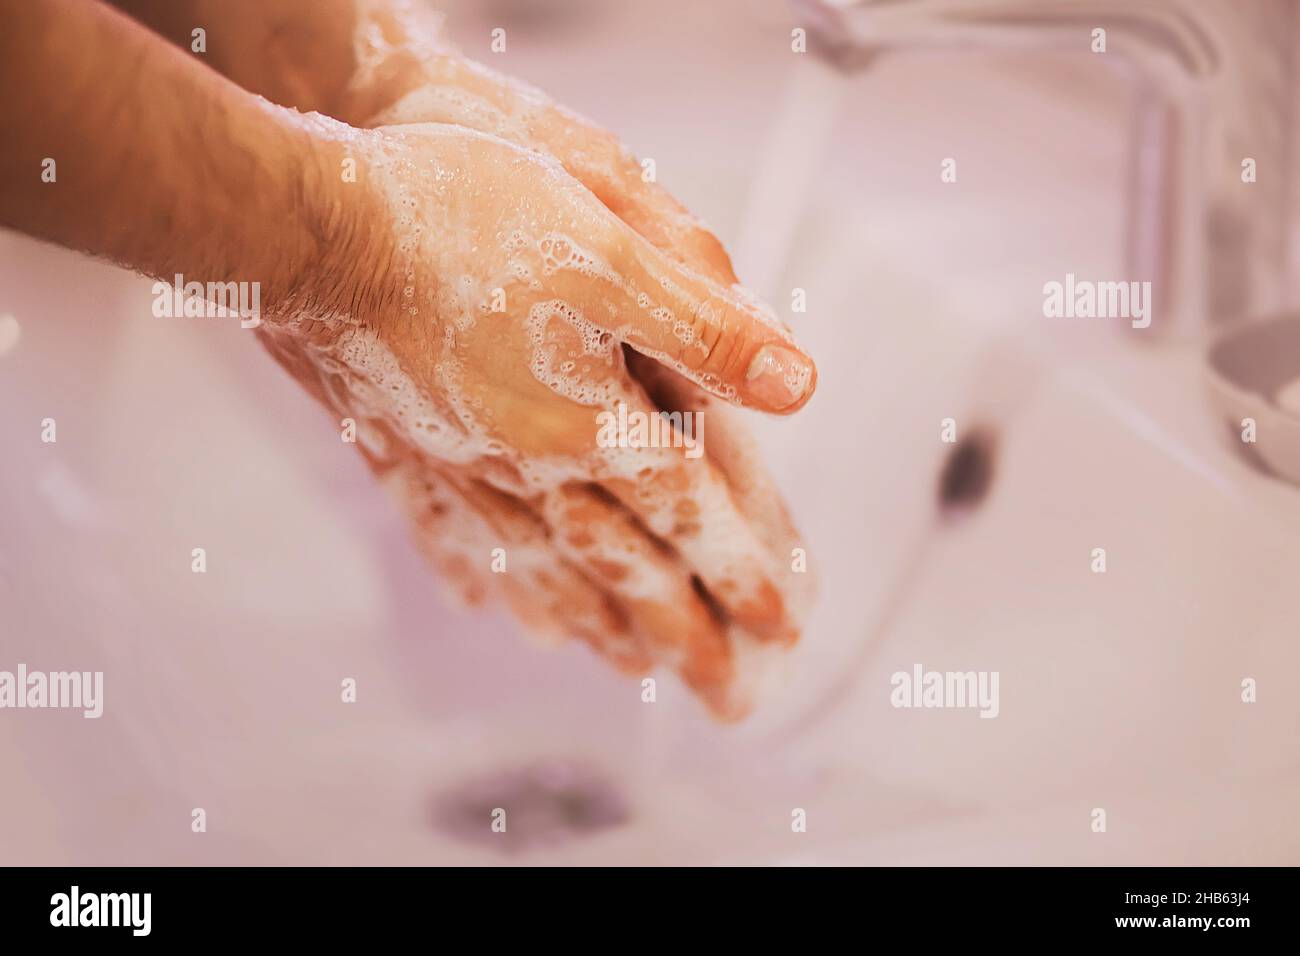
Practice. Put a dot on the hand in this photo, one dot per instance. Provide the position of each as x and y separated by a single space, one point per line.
483 427
475 328
408 71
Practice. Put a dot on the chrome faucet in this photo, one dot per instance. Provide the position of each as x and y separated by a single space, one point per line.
1210 143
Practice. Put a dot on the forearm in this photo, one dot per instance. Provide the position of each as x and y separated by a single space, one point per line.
158 163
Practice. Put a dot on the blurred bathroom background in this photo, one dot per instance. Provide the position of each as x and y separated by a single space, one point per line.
820 171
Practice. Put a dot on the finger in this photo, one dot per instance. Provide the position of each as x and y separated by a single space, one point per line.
541 587
459 522
732 450
600 161
720 338
608 169
446 528
676 626
471 95
688 505
717 335
665 481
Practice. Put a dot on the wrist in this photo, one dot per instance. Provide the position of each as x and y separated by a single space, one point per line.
345 242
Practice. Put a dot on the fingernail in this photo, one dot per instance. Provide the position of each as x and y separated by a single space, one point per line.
778 376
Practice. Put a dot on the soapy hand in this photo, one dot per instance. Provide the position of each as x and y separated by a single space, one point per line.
410 73
475 329
503 305
497 302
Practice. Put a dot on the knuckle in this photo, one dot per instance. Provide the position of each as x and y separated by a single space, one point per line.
706 342
717 331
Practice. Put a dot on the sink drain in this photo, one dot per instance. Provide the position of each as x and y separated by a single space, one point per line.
544 804
968 473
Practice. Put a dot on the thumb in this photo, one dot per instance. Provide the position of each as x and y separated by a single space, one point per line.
719 337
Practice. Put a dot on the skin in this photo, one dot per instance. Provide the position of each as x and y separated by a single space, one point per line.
494 272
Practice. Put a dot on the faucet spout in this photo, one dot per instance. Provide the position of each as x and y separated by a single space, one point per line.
1210 150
